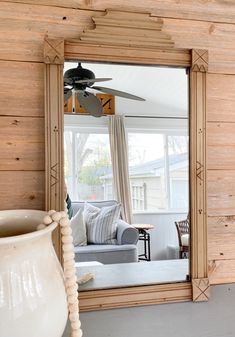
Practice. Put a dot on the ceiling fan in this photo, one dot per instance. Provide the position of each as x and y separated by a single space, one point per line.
79 79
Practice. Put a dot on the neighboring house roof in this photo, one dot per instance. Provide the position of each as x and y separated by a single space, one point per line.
154 167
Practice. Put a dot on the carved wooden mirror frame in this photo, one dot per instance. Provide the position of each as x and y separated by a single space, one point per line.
133 38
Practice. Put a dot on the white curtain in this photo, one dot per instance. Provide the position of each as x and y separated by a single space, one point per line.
119 156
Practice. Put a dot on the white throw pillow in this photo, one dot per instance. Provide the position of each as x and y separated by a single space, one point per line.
78 229
101 223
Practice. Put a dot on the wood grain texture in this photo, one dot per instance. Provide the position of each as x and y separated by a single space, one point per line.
219 225
221 98
22 190
21 88
75 49
22 156
130 29
216 11
201 289
218 38
222 271
24 33
128 297
221 145
221 193
220 230
198 166
21 129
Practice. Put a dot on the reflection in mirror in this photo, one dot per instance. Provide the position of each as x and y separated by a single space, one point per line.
143 240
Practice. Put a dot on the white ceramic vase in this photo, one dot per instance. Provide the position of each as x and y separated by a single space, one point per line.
32 292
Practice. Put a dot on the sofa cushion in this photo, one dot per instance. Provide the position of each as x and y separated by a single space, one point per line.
78 229
101 223
107 254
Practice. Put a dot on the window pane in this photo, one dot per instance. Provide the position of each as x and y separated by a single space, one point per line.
93 167
178 171
147 171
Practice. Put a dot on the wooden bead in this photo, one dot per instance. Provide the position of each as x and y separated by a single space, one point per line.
70 263
64 222
73 316
66 230
47 220
77 333
68 247
72 291
56 216
72 299
73 288
68 256
67 239
69 282
73 308
70 269
68 273
85 278
76 325
63 214
51 212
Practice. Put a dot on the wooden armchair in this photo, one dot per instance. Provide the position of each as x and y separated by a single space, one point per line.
182 227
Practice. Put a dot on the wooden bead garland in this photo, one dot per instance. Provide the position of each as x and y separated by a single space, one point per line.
69 267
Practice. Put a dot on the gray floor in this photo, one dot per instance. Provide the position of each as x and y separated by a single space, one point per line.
206 319
134 274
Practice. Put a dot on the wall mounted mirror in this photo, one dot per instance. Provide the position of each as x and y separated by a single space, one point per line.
154 52
158 162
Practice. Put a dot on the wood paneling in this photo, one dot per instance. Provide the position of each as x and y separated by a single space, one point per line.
22 189
221 225
218 11
22 156
218 38
21 88
218 250
19 129
221 145
221 193
222 271
221 98
24 33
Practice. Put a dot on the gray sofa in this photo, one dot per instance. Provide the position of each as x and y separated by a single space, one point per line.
124 251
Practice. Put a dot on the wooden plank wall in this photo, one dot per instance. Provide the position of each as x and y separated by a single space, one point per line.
192 24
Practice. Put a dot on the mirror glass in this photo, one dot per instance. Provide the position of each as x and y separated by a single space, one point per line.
157 144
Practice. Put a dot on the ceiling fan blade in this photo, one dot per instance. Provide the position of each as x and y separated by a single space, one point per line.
68 81
93 80
67 93
90 103
118 93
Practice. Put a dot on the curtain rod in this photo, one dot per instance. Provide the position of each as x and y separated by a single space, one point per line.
128 116
157 117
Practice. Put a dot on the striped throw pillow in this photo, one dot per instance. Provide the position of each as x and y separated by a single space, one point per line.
101 223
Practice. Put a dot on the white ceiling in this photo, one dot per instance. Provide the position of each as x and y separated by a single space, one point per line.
165 89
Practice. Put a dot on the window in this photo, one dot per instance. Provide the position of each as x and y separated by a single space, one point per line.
88 165
158 167
158 170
